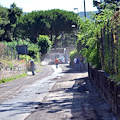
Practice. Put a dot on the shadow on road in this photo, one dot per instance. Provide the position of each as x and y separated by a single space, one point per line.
80 102
71 69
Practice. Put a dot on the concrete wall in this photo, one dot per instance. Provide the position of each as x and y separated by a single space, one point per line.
108 88
57 53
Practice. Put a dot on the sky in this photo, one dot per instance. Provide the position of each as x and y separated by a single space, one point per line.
32 5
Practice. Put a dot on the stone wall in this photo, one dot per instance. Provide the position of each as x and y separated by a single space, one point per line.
109 89
6 71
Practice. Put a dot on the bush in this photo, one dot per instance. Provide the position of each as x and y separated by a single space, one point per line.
44 43
32 48
25 57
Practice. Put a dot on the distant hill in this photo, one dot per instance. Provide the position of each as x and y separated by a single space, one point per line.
88 14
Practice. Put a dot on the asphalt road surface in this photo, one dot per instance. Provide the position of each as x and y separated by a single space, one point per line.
53 94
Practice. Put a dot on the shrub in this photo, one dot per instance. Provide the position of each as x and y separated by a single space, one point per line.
25 57
44 43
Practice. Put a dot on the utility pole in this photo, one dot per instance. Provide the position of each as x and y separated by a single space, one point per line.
84 9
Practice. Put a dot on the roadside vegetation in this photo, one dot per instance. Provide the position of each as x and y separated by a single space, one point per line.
99 38
4 80
18 28
39 30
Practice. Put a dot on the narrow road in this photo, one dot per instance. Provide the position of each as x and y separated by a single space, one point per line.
72 97
19 97
63 94
11 89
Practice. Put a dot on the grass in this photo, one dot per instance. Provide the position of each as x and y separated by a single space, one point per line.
11 63
37 70
4 80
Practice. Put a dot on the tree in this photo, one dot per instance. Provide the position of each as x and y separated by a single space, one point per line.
60 21
44 44
87 40
33 49
67 39
111 4
31 25
97 42
3 20
50 22
13 14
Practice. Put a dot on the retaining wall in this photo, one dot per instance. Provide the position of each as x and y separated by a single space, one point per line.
6 71
109 89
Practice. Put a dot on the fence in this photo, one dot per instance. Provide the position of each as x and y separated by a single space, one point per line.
7 53
108 45
109 89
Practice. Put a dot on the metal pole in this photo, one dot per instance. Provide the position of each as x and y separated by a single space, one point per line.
84 9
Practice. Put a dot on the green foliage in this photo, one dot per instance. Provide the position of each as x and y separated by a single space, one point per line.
25 57
67 40
32 48
13 14
38 58
11 44
11 66
4 80
3 19
115 78
110 4
51 22
31 25
87 40
98 41
44 43
60 21
102 18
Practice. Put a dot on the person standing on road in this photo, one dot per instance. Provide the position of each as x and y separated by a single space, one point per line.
56 62
77 61
32 65
81 63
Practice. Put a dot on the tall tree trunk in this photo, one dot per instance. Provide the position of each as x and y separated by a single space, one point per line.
56 41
